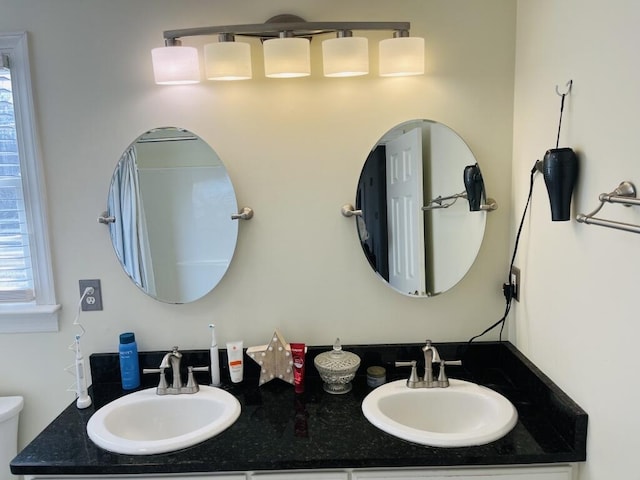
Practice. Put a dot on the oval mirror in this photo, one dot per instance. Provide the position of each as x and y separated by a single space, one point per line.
423 211
171 201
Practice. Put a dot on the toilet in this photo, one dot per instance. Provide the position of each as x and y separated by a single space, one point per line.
10 408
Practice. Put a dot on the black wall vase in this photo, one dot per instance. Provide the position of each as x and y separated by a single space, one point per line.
560 171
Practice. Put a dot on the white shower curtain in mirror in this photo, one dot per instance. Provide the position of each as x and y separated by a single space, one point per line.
129 230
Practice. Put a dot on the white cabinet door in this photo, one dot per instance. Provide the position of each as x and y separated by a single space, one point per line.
309 475
561 472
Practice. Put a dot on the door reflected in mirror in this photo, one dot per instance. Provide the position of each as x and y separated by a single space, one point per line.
417 228
172 200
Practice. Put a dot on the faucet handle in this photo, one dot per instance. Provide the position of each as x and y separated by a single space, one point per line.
443 380
162 384
451 362
191 381
413 377
200 369
192 386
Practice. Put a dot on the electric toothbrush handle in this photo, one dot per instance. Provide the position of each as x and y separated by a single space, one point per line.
84 400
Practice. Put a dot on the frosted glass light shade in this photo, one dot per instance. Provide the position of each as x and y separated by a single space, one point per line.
227 61
345 56
175 65
401 56
286 57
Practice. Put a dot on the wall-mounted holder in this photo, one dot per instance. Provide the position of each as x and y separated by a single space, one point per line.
245 214
349 210
624 194
439 202
106 219
560 170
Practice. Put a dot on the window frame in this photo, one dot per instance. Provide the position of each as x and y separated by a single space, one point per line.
41 314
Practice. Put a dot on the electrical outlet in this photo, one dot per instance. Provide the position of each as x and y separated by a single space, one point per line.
92 301
515 281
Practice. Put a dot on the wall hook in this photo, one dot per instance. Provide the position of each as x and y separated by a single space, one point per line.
568 85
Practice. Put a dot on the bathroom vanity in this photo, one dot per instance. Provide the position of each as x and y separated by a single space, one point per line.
318 436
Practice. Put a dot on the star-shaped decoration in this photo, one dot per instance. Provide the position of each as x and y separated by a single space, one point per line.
274 359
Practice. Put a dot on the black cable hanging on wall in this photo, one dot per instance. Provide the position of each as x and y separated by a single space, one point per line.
562 95
560 170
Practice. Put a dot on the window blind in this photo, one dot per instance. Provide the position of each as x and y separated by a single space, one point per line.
16 277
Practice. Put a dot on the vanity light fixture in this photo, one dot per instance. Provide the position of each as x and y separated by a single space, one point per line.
401 55
227 59
345 55
286 40
286 56
175 64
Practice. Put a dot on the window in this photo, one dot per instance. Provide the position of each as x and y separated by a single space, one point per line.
27 299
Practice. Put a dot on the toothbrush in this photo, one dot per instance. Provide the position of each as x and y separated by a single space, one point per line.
215 358
84 400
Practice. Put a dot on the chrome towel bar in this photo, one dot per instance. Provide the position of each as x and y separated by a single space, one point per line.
625 194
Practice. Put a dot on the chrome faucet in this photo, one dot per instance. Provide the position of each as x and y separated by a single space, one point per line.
431 356
173 359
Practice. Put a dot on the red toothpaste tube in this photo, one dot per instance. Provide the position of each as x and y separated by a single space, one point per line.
297 352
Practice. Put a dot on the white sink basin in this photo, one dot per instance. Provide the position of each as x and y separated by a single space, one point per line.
143 423
460 415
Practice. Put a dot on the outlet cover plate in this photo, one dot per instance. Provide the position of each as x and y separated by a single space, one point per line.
91 303
515 281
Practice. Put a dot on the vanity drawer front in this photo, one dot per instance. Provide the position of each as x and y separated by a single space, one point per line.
551 472
556 472
198 476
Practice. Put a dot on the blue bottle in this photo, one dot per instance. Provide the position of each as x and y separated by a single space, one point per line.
129 369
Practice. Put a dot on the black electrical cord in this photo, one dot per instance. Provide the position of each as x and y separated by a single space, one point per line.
508 288
563 95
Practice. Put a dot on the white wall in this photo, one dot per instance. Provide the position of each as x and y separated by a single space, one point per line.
294 150
578 316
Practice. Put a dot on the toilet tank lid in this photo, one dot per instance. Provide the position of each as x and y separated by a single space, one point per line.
10 406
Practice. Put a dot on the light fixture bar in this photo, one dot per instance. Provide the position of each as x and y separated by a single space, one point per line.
286 50
272 30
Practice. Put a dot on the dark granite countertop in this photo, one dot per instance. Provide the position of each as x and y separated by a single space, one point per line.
279 430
